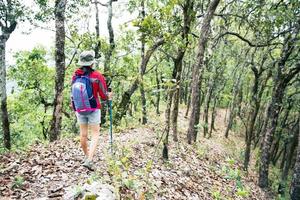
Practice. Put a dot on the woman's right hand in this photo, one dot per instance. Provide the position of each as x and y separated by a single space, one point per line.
109 96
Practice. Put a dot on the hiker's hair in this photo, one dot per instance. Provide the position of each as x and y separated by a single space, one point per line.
87 69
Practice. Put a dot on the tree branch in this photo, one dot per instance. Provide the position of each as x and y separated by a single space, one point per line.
293 72
73 56
98 2
195 35
166 53
249 42
49 29
149 54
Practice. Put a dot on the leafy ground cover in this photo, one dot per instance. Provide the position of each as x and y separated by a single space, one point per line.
210 169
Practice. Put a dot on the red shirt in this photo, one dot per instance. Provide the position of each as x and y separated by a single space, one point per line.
98 83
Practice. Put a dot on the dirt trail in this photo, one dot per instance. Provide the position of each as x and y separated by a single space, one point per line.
206 170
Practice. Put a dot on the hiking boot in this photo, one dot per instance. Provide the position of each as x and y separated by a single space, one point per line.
88 164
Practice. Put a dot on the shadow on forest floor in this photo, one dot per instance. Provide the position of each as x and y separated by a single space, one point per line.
209 169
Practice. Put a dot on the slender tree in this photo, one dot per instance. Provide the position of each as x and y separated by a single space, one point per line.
256 94
108 54
123 105
60 7
174 91
10 13
111 36
295 186
233 105
158 91
188 18
197 70
142 90
290 146
282 77
97 29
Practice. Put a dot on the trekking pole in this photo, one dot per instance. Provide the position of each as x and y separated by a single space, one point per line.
110 123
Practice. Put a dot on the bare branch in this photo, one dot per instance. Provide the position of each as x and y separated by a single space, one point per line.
167 54
74 54
125 54
49 29
249 42
98 2
195 35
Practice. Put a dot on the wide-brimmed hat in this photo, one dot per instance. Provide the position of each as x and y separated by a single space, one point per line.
86 58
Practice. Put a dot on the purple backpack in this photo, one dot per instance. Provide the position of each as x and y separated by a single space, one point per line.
83 100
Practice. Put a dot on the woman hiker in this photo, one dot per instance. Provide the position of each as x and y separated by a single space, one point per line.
88 85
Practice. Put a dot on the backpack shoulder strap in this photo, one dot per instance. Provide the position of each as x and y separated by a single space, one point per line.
75 78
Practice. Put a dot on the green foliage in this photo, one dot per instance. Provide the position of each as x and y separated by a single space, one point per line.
231 172
242 193
217 195
45 12
149 26
10 12
18 182
93 178
274 178
201 151
30 70
125 177
77 191
47 9
227 59
90 197
35 81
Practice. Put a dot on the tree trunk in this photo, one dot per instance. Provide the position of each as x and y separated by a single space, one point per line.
250 128
187 20
167 128
176 93
261 126
281 81
230 120
275 149
169 101
276 145
208 96
186 85
216 98
111 38
213 117
233 106
125 101
144 104
60 6
97 28
108 54
7 27
287 158
254 108
44 126
273 114
260 122
295 186
4 112
123 105
197 69
143 96
188 100
175 113
158 91
285 153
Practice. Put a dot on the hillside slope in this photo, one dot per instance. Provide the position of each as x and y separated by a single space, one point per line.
209 169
